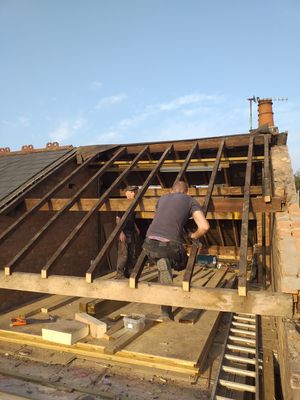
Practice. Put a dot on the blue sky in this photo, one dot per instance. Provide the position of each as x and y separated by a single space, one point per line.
118 71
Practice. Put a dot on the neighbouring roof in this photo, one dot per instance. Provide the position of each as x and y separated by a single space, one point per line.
17 169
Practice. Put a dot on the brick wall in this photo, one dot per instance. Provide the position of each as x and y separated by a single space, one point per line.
285 247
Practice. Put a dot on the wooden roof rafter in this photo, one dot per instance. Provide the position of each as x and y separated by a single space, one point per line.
76 231
242 279
44 199
226 203
266 170
181 173
90 274
195 249
231 141
11 265
138 268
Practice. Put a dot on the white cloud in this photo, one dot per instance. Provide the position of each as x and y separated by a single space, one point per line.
193 115
179 103
95 85
107 137
107 101
192 112
24 121
67 129
21 121
61 133
133 121
194 98
79 123
8 123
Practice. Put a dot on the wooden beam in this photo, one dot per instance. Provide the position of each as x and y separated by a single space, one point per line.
191 261
127 336
205 240
137 270
228 300
8 268
235 233
220 233
76 231
158 176
160 180
242 281
267 176
101 255
207 143
233 251
175 165
181 173
226 171
217 204
188 273
218 190
212 178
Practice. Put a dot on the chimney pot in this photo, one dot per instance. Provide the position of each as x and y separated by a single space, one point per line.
265 112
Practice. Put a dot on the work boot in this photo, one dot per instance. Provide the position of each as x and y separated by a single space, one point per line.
166 313
120 274
164 271
127 272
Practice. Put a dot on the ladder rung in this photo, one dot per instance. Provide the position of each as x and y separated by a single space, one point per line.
238 371
244 319
237 386
248 315
241 339
249 350
242 332
243 325
239 359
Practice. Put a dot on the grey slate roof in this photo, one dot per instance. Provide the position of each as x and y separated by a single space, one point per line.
15 170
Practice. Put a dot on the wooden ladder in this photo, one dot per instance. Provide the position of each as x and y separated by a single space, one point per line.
238 373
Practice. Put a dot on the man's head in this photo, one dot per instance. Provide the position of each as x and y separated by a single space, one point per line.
131 191
180 187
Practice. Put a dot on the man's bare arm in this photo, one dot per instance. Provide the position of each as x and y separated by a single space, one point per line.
202 224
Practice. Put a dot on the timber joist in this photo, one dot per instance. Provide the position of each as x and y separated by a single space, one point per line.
231 141
239 194
217 205
175 165
218 299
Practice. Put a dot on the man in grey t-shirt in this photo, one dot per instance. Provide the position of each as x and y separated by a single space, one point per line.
163 241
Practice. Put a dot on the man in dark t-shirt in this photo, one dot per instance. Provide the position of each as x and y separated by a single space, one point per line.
163 241
127 239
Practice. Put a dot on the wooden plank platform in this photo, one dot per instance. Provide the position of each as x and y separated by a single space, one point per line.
168 346
30 335
260 302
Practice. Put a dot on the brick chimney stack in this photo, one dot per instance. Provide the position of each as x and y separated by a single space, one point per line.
265 112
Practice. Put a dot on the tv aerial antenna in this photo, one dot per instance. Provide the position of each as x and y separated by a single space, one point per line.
251 99
255 100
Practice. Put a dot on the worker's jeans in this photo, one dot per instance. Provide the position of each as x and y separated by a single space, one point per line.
126 255
174 252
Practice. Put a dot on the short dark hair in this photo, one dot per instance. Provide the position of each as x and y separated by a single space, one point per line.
180 187
131 188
